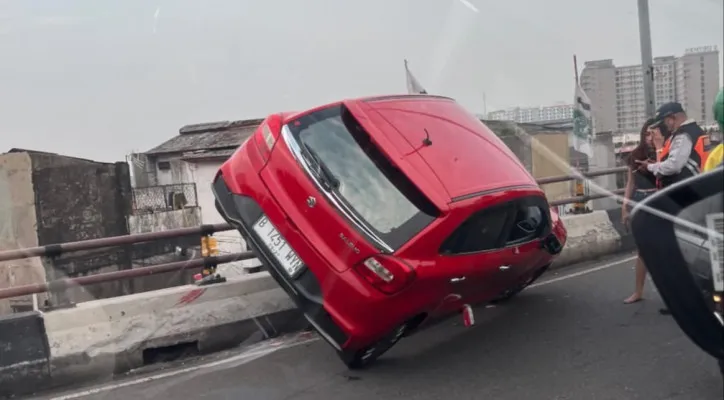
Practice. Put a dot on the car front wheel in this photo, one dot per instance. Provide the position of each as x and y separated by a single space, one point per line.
358 359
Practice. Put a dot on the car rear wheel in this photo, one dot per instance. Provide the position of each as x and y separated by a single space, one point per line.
514 291
364 357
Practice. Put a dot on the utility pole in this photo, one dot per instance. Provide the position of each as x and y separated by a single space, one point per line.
647 62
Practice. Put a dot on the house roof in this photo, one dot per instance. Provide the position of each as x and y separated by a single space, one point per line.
208 136
214 140
220 154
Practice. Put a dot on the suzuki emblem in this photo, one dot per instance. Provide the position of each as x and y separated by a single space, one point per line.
311 201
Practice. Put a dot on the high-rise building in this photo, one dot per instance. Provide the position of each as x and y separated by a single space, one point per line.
534 114
617 93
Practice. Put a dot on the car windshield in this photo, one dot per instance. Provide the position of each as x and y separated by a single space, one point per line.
363 178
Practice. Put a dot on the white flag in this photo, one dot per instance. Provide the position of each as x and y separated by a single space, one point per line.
413 86
582 123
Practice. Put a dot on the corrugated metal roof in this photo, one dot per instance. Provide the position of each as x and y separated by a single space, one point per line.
208 136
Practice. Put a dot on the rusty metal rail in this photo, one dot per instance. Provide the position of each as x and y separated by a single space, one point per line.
590 174
581 199
66 283
54 250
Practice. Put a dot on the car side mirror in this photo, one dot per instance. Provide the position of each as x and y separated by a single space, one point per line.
552 245
678 232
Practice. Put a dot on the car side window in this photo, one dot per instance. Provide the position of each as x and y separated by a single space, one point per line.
531 222
482 231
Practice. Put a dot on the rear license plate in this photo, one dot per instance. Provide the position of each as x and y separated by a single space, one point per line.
278 246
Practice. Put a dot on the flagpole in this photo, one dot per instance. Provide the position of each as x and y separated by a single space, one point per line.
578 186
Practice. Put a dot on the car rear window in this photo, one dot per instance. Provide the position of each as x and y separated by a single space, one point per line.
367 183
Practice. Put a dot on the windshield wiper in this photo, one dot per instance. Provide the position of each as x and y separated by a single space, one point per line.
326 176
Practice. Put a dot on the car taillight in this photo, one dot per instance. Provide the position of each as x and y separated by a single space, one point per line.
267 135
387 274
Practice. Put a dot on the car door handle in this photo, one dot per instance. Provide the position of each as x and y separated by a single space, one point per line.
504 267
457 280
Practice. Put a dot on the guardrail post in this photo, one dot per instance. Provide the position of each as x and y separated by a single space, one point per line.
580 191
209 251
57 297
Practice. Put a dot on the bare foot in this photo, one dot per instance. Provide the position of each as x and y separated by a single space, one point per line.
635 298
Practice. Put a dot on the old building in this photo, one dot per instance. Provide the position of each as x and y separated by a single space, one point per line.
47 198
189 161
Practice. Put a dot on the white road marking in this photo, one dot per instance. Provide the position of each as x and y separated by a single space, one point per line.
585 272
243 358
276 345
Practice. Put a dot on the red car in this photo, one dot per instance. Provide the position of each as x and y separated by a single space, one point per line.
378 214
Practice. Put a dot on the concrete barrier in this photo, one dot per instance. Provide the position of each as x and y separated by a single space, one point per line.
590 236
23 353
98 339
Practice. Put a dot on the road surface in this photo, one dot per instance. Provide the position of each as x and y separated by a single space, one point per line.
569 337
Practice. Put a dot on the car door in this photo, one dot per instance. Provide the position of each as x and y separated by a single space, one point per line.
523 252
471 257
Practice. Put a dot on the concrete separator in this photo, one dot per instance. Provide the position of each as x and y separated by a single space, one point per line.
590 236
24 352
98 339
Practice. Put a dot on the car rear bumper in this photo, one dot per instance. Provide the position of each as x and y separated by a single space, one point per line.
241 212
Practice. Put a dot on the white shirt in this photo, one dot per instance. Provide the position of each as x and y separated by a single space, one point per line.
679 152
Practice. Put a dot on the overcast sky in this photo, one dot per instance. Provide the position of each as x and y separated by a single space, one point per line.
100 78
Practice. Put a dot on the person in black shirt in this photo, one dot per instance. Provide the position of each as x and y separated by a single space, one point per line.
639 185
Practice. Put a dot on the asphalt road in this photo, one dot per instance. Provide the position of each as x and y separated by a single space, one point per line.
569 337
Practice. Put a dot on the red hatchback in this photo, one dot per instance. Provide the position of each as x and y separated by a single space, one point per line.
377 214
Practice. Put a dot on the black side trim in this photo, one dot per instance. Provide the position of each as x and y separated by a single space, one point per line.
406 96
490 191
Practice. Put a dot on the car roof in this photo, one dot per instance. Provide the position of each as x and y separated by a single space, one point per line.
465 156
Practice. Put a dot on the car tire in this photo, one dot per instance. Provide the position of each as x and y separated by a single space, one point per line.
509 294
359 359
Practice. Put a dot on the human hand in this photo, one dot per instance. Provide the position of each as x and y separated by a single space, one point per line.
643 165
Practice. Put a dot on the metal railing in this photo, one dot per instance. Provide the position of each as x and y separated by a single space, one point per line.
55 250
164 197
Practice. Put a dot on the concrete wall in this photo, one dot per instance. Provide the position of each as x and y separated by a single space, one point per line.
516 138
543 151
551 158
163 221
161 252
180 171
17 228
604 157
75 200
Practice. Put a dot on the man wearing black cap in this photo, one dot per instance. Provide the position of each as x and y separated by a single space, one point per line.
682 156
